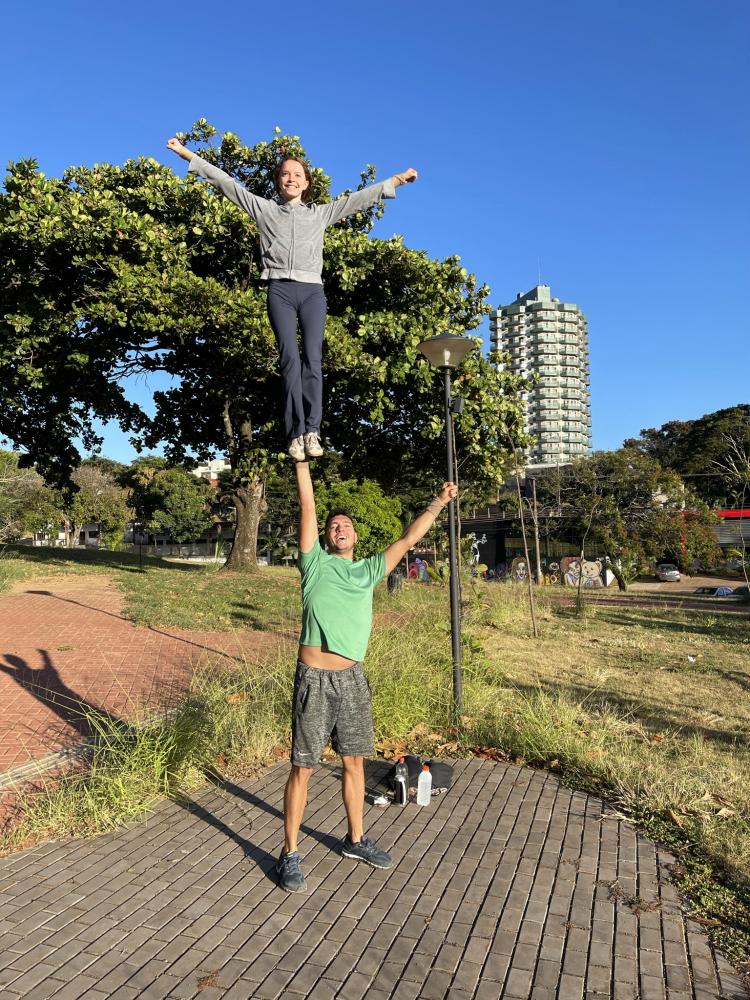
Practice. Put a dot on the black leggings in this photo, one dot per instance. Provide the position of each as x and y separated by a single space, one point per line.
290 303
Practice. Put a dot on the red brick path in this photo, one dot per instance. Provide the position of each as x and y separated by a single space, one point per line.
64 642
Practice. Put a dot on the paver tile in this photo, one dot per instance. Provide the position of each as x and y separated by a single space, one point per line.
222 928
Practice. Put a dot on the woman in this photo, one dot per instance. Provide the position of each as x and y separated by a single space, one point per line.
291 230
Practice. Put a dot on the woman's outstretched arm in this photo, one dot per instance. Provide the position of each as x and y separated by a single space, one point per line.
359 200
176 146
255 207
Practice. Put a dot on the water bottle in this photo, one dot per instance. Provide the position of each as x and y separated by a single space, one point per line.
401 784
424 786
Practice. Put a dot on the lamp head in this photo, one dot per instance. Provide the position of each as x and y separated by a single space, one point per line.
447 350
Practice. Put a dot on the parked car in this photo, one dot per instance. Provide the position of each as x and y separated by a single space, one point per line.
668 573
714 591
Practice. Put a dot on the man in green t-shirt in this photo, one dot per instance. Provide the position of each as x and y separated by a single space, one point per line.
331 694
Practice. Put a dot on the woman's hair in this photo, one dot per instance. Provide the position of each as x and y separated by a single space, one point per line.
306 195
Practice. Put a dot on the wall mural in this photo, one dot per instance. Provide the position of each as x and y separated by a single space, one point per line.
592 571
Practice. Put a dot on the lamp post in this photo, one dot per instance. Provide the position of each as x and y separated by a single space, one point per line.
446 352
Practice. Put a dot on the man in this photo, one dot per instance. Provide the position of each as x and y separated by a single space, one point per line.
331 694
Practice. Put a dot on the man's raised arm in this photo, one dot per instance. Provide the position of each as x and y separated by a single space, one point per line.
308 519
419 527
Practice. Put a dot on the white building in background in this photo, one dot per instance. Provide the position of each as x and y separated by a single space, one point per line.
549 339
211 470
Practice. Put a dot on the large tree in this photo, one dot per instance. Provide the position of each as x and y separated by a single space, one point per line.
26 505
112 270
176 503
703 451
626 505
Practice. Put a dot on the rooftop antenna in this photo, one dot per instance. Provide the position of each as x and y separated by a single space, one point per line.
539 270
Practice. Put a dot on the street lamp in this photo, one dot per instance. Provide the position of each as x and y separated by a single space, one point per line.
446 352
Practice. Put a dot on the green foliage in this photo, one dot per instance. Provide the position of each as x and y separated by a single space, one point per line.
26 505
99 500
113 269
376 515
625 503
175 503
701 451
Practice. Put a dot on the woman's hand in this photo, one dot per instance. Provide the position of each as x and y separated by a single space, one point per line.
176 146
406 177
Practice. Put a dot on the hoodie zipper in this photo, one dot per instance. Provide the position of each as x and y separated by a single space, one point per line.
291 249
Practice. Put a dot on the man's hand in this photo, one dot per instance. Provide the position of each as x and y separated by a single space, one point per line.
177 147
407 177
448 492
419 526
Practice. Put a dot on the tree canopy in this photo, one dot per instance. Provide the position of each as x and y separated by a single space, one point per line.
628 506
112 270
376 516
704 451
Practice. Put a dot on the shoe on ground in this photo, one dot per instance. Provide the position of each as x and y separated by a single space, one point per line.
313 447
297 449
368 851
289 870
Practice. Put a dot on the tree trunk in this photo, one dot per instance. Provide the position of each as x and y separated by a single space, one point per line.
609 563
249 503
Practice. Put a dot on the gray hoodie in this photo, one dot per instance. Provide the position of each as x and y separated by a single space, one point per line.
291 236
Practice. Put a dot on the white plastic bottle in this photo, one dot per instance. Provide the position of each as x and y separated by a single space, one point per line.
424 786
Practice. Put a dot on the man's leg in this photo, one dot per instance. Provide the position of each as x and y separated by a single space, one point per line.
353 740
295 800
353 793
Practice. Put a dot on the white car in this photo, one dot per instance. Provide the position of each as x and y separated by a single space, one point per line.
667 573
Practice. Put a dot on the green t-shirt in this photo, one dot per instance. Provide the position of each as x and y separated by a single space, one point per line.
337 601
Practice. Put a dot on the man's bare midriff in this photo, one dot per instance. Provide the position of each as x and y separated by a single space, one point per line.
315 656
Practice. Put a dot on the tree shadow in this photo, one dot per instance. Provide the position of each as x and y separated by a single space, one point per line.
724 628
149 628
260 619
126 561
653 717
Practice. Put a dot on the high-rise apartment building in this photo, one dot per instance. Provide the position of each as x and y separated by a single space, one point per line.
549 339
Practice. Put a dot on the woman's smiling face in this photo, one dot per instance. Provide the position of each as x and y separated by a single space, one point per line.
292 182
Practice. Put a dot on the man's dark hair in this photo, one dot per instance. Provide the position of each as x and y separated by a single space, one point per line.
336 512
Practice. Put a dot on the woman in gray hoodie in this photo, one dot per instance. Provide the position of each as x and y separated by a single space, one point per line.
290 230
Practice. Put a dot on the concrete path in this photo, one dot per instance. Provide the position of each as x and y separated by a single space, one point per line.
507 886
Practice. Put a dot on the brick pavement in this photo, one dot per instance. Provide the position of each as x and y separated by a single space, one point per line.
510 885
64 643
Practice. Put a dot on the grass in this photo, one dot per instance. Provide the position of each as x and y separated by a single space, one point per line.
646 707
165 594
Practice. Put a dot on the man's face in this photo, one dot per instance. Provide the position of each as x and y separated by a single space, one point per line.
341 536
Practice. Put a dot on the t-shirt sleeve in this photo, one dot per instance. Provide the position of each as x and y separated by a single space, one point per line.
376 568
308 560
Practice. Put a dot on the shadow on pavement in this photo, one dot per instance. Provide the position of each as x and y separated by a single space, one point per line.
149 628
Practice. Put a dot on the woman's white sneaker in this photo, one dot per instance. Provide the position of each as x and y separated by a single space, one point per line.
297 449
313 447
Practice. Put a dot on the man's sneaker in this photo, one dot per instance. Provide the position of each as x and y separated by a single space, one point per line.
313 447
289 870
368 851
297 449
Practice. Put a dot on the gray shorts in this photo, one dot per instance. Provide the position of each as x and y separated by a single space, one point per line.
331 704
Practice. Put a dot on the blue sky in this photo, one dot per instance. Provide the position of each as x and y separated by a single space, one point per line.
604 146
